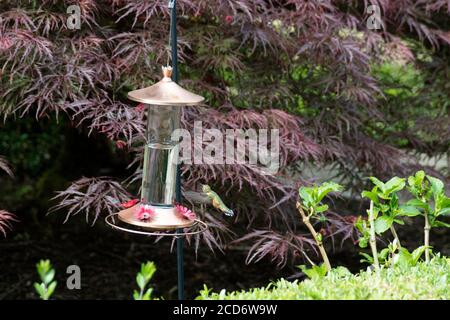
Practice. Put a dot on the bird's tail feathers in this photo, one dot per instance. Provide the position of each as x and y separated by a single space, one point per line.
229 212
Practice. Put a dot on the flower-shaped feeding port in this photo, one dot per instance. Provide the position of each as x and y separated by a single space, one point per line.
156 210
185 213
144 213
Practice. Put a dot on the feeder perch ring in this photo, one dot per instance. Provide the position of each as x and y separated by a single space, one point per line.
199 225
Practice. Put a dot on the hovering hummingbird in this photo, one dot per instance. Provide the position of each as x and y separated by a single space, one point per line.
216 201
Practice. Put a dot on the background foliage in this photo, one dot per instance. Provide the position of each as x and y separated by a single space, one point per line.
357 102
418 282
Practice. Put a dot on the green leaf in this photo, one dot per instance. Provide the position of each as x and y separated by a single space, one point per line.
51 289
326 188
40 289
440 224
43 267
383 254
411 181
437 186
393 246
143 277
367 258
444 212
140 280
409 211
419 176
393 185
49 276
362 242
321 208
305 195
375 212
417 253
418 186
360 224
384 208
319 237
315 272
205 291
406 259
147 270
403 258
341 272
445 203
415 182
382 224
378 183
147 295
370 195
393 204
417 203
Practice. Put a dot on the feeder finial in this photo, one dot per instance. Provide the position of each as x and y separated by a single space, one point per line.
167 71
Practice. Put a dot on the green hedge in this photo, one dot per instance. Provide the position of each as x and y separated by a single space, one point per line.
419 282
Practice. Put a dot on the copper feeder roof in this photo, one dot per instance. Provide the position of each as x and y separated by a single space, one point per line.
166 93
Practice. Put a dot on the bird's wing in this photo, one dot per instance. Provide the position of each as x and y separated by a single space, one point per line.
196 197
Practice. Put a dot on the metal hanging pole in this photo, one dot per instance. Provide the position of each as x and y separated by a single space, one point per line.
180 240
174 38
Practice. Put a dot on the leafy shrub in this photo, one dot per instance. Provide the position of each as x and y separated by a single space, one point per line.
386 207
310 207
47 286
430 201
422 281
142 279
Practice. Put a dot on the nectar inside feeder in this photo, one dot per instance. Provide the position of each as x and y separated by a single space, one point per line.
163 102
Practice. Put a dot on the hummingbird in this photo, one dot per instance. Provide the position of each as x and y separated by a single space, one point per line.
216 201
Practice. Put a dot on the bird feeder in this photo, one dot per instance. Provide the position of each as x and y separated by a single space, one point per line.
163 102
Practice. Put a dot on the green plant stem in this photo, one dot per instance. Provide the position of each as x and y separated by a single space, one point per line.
46 293
373 240
319 242
426 230
426 233
394 233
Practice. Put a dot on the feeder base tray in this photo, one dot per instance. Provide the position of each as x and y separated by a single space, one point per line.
197 227
165 219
